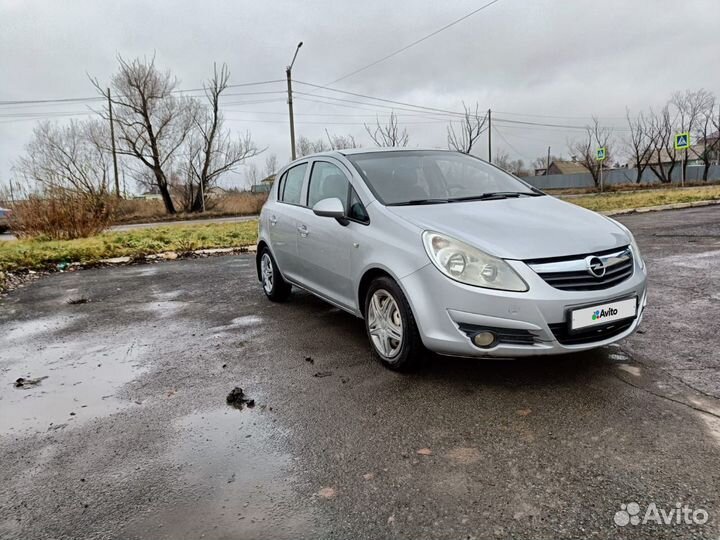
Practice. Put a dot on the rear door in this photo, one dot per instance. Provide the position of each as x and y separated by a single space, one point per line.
283 220
325 244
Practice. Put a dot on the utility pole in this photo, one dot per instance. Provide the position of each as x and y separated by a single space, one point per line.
489 136
288 73
547 167
112 142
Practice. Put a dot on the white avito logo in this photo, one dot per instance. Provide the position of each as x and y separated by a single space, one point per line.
630 514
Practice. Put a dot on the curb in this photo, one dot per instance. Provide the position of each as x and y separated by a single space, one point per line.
673 206
171 256
15 279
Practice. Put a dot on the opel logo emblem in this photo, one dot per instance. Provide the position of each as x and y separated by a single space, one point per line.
595 266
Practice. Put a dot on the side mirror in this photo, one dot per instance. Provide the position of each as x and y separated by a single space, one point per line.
331 207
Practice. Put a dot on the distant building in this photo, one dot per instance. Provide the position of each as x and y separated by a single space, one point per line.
562 167
215 192
264 186
150 196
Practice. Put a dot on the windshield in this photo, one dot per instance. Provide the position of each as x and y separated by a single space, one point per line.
426 177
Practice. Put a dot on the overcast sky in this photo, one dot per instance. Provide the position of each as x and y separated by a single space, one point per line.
527 60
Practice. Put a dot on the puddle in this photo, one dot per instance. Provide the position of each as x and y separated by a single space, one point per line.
235 483
247 323
632 370
162 309
82 382
26 330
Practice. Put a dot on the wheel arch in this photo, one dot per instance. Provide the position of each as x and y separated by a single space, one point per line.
367 278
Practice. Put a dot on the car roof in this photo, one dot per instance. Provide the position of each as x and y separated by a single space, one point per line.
354 151
371 150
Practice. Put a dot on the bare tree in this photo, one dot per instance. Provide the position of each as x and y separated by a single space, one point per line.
271 165
67 158
596 136
340 142
211 150
513 166
470 128
707 135
152 121
388 135
640 141
252 176
664 156
691 106
305 146
502 160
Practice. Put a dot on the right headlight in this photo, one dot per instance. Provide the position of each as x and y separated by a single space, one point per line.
636 250
469 265
633 244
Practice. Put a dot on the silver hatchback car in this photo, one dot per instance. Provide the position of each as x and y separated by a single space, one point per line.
441 250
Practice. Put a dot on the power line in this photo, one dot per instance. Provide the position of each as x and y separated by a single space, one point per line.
416 42
384 100
497 131
376 105
101 98
250 120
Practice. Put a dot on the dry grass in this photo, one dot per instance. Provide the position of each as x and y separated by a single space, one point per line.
39 254
61 215
232 204
640 199
613 188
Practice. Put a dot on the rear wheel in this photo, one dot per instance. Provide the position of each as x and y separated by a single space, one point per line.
391 327
274 286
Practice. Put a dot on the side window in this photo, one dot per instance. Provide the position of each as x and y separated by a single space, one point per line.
327 180
281 185
291 185
357 209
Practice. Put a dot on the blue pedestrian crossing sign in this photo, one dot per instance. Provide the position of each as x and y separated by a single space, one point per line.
601 154
682 141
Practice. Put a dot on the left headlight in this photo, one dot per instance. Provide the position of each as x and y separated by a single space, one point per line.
469 265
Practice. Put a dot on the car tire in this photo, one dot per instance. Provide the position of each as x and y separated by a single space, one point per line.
274 285
386 311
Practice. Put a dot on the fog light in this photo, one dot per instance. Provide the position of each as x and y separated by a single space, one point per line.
484 339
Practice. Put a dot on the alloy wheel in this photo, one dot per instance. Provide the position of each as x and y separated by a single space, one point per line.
266 270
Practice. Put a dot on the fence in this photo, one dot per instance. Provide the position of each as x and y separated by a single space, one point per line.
618 176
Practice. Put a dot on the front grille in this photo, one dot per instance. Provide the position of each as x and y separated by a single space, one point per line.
505 336
562 333
572 274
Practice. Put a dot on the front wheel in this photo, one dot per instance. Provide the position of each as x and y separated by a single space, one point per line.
391 327
274 286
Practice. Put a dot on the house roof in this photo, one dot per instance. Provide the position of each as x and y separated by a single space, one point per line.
568 167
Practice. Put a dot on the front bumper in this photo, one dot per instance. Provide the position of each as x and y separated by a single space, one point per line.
444 310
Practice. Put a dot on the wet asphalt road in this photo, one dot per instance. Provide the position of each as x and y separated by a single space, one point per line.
130 437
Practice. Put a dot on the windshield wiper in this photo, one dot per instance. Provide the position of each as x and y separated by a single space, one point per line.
420 201
493 195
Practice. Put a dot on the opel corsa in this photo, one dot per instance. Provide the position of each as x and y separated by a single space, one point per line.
441 250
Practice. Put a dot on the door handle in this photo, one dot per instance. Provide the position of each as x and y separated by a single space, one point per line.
303 230
273 220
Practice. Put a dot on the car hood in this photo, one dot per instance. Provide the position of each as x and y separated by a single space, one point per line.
522 228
